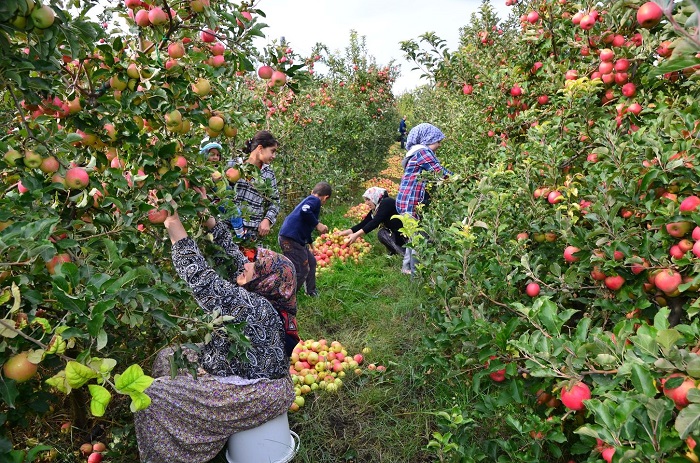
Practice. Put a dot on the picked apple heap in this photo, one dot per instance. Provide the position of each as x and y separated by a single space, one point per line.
332 247
318 365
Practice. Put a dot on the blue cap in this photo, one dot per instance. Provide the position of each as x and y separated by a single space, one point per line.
209 146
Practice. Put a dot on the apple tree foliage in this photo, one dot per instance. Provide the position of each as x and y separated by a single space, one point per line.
124 96
557 142
86 285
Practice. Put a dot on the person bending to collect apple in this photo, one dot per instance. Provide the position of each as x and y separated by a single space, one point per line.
381 215
190 419
295 236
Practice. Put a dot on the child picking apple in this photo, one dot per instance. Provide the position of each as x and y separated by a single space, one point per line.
295 235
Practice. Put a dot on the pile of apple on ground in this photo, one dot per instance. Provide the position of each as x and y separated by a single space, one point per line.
329 248
316 365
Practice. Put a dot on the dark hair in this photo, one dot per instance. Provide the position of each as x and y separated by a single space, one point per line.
322 189
263 138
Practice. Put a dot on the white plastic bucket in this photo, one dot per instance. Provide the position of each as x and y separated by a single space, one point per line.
271 442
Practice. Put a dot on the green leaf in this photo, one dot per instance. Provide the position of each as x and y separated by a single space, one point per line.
59 382
668 337
661 318
687 420
78 374
693 367
674 64
132 380
8 392
100 399
139 401
5 330
643 381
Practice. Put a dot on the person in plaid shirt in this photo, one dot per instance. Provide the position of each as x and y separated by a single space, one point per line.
259 200
423 140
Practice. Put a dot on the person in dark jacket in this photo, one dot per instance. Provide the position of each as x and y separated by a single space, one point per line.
382 216
402 131
295 236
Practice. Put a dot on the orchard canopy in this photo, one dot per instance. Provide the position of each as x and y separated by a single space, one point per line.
562 255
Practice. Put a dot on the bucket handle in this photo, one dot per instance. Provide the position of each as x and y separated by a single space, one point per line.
297 445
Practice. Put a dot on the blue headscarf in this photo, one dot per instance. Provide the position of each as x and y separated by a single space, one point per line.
423 134
209 146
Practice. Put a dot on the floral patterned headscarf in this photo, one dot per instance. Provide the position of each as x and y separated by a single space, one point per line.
274 279
424 134
375 194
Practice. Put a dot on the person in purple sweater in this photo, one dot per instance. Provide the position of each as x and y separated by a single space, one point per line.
295 236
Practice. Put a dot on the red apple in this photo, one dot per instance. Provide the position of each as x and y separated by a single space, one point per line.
77 178
597 274
614 282
555 197
607 453
157 216
467 89
532 289
86 449
157 16
690 204
278 78
622 65
573 397
678 229
629 89
533 17
679 394
176 50
649 15
606 55
208 36
265 72
635 108
668 280
569 252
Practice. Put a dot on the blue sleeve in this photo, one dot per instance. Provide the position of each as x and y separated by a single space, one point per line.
310 210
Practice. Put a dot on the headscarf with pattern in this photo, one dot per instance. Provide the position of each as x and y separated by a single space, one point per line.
274 278
424 134
375 194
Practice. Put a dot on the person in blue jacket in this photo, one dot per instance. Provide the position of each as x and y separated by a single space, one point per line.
295 236
402 131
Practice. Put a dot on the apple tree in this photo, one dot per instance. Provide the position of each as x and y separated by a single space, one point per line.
106 110
577 178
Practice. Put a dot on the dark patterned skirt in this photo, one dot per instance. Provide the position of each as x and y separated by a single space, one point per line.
190 421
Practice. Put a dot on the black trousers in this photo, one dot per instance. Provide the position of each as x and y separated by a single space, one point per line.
304 263
391 242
